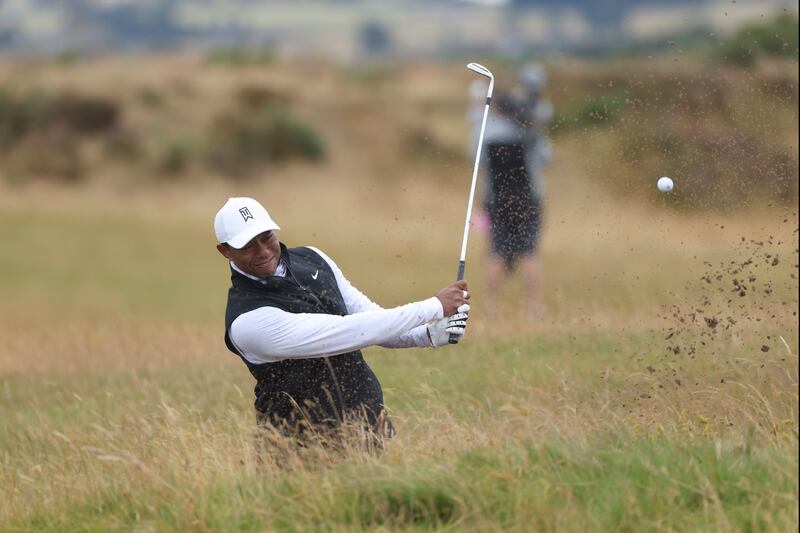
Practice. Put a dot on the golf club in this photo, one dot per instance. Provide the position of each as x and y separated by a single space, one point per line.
483 71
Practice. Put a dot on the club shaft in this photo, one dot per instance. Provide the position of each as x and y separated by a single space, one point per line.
467 222
462 262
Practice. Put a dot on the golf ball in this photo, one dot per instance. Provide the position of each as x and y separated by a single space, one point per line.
665 184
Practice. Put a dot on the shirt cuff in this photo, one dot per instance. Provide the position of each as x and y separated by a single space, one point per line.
435 306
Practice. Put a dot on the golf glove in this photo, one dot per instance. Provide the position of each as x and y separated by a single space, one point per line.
439 330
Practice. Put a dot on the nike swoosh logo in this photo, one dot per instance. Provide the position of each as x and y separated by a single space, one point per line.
315 275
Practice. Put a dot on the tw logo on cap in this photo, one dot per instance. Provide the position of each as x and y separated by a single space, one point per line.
245 212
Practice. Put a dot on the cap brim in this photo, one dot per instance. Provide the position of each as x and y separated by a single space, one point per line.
247 235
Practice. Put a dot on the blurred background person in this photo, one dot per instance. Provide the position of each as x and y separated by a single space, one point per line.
516 148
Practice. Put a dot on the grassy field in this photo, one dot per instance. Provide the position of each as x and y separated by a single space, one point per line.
122 409
659 391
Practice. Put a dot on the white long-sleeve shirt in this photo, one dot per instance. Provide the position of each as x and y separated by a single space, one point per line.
269 334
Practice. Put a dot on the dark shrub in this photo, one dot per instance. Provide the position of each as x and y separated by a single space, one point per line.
597 111
52 155
175 156
151 97
777 37
272 135
21 114
259 97
123 145
85 114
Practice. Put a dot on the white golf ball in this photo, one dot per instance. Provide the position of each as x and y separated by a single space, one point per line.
665 184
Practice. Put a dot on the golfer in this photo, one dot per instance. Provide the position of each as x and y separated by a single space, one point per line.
299 325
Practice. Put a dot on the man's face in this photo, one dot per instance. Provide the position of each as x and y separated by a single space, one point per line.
259 257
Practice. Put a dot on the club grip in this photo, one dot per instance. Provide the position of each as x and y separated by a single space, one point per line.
461 264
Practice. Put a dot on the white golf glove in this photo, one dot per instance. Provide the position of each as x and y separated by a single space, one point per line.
439 330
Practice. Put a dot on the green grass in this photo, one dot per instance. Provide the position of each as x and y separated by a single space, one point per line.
525 434
609 484
120 408
85 267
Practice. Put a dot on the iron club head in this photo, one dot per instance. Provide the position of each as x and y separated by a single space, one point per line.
480 69
483 71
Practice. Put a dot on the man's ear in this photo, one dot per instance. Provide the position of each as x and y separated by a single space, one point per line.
223 249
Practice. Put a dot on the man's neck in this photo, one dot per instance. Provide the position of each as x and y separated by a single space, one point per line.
279 272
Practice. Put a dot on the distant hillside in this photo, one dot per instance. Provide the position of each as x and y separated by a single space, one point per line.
727 132
354 28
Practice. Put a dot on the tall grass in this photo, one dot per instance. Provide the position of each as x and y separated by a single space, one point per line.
172 448
121 408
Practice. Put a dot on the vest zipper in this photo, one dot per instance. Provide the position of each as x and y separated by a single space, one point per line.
314 296
327 360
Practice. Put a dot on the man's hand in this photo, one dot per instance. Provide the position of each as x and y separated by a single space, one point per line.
439 330
453 297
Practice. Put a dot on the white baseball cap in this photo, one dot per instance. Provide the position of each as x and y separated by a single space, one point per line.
241 219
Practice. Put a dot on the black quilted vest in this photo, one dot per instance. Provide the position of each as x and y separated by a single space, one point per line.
320 390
